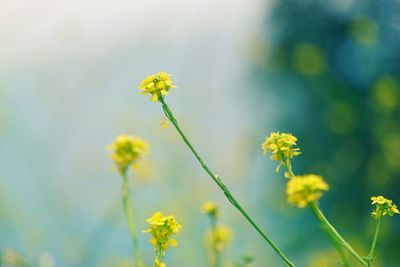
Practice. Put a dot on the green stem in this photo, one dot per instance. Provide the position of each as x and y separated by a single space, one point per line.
370 256
339 248
289 169
220 184
331 231
126 200
216 255
159 254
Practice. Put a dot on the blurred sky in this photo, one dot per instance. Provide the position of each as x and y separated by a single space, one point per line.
69 74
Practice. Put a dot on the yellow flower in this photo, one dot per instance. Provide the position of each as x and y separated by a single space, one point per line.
383 206
162 228
281 147
158 263
304 189
126 150
157 85
220 237
209 208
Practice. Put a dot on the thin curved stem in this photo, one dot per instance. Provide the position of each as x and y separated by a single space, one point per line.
220 184
370 256
126 201
333 233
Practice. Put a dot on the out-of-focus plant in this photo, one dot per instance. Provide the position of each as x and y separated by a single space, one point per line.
158 86
162 228
305 191
126 151
12 258
218 237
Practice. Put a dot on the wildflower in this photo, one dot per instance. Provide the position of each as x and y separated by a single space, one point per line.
126 150
383 207
209 208
220 237
162 228
281 147
157 85
304 189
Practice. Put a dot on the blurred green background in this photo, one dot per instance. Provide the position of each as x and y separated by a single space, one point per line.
326 71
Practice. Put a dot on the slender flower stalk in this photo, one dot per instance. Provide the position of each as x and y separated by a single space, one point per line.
217 255
211 210
218 239
335 237
126 150
218 181
340 250
126 201
305 191
370 256
383 207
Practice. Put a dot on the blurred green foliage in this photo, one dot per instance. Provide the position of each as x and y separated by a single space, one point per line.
335 66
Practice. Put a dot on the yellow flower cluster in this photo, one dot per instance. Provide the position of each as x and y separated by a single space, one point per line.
157 85
126 150
162 228
281 147
304 189
158 263
383 206
209 208
220 237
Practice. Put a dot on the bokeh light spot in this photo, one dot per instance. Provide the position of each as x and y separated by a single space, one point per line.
386 92
308 59
341 118
364 30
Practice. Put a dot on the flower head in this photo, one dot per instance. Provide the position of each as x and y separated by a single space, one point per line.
162 228
220 237
126 150
157 85
304 189
209 208
281 147
383 207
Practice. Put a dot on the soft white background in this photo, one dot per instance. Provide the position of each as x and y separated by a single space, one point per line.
69 72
